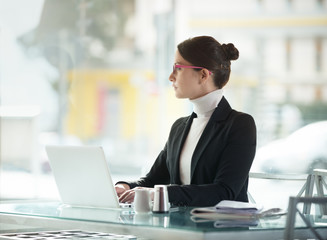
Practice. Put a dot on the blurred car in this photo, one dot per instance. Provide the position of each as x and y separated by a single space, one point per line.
300 152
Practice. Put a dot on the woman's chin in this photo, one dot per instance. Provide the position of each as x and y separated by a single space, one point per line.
179 96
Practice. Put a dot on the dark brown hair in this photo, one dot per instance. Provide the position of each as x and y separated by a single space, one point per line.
207 52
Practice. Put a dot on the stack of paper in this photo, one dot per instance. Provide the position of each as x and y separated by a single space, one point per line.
233 213
238 208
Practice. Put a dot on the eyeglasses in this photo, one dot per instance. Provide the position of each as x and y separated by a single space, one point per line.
184 66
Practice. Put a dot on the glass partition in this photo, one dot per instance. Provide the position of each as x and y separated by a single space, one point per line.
96 73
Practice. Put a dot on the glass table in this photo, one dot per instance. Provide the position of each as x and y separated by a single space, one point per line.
27 216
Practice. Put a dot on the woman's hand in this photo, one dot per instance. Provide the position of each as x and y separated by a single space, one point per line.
121 188
128 195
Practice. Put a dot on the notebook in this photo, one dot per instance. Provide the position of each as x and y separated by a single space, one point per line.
82 176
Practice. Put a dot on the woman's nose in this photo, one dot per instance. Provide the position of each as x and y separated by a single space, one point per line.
171 77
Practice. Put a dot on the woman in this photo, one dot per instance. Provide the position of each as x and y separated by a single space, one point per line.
208 154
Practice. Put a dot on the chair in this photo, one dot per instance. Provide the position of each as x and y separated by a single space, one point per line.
316 178
293 210
320 182
307 188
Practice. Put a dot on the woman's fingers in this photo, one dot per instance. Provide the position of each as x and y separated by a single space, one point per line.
119 190
127 196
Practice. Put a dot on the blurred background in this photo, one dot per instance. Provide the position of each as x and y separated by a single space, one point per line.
83 72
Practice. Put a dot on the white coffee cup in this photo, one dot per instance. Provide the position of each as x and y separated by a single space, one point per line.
142 201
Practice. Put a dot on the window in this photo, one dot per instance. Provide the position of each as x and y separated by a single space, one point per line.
96 73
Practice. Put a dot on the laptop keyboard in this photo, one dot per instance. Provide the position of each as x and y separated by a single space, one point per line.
69 234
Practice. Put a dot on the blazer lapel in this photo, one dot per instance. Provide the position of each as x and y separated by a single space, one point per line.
180 142
220 114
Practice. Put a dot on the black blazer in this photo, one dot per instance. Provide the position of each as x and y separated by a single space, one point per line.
220 164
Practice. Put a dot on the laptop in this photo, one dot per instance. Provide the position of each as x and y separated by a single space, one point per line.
82 176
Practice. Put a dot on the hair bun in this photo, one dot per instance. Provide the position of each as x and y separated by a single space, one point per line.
230 51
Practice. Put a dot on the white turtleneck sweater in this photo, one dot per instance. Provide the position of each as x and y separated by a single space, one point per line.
203 107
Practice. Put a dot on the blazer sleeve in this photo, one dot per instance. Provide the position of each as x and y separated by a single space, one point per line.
231 175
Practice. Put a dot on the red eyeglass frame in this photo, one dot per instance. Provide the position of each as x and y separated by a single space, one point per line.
185 66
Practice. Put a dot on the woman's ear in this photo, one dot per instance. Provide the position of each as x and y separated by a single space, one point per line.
205 75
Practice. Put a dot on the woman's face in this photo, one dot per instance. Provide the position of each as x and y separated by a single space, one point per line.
186 81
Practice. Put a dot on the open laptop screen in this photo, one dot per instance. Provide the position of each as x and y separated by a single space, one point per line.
82 176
